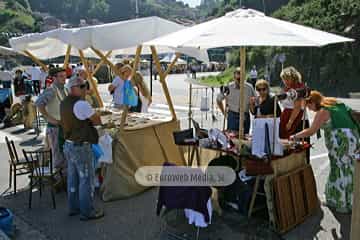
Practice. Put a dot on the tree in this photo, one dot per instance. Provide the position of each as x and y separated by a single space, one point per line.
98 9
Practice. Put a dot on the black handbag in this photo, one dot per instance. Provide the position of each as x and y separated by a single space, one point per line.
181 136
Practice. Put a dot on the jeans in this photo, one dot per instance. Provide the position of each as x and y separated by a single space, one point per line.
52 133
36 86
233 121
80 178
6 84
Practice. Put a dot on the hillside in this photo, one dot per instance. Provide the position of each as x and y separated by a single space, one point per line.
334 69
220 7
112 10
16 17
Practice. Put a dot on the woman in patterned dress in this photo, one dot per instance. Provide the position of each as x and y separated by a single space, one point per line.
342 142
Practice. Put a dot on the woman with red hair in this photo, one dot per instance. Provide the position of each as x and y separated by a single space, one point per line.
342 142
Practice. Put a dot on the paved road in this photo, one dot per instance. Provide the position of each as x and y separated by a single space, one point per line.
134 219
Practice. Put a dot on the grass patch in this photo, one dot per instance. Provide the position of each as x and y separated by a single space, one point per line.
221 79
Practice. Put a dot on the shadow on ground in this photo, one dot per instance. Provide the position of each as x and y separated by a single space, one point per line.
129 219
135 219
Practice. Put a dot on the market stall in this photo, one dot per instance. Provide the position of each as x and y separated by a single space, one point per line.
245 28
129 131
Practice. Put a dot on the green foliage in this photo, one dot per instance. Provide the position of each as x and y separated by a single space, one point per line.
335 68
112 10
16 17
268 6
219 80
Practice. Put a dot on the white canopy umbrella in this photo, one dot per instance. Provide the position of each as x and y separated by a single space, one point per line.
246 27
170 58
119 37
5 51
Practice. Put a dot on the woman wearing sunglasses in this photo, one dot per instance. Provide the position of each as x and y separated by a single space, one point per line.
263 104
342 142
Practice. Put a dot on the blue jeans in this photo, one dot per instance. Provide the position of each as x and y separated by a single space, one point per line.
233 121
80 178
6 84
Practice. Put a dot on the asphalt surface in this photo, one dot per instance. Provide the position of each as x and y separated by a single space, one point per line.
135 218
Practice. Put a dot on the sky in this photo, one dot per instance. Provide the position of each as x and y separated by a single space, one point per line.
192 3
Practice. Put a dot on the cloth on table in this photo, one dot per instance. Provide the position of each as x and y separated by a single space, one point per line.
184 197
131 149
105 143
258 139
198 218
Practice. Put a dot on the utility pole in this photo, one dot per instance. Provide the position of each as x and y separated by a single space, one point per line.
264 6
136 9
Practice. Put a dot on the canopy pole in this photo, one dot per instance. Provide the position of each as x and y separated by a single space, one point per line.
67 56
134 67
91 80
151 75
36 60
172 64
242 94
162 77
101 63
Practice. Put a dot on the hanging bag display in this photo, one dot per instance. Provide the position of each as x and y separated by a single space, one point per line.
129 95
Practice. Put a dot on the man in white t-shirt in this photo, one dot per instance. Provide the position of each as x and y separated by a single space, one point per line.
116 87
35 75
43 76
77 120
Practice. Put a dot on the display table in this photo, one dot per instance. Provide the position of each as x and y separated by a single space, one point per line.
144 143
288 166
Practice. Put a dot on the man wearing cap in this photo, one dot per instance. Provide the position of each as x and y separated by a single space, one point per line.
48 104
78 119
232 97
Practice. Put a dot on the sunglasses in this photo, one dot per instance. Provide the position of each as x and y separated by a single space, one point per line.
261 89
81 86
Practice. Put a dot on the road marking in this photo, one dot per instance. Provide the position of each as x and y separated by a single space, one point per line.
176 107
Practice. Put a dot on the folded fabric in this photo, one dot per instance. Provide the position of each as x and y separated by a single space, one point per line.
105 142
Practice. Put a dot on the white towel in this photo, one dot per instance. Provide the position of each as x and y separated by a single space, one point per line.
197 218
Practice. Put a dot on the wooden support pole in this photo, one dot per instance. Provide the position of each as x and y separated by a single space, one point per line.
162 76
134 68
172 64
36 60
91 80
67 57
242 94
101 63
106 60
